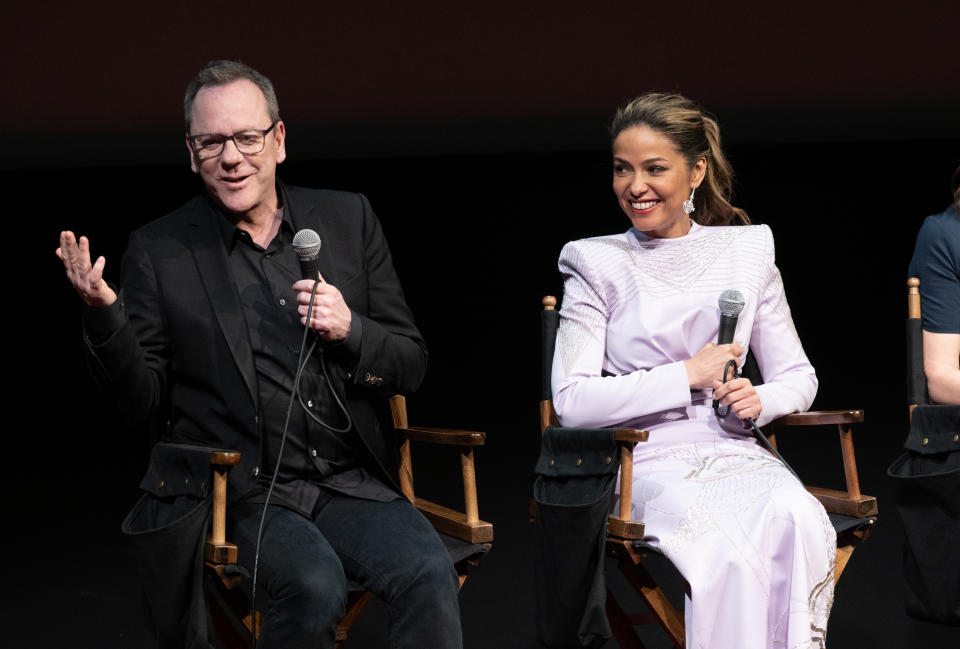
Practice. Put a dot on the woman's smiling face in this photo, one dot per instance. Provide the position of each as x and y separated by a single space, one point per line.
651 180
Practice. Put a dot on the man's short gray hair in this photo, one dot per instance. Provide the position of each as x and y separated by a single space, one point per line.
221 73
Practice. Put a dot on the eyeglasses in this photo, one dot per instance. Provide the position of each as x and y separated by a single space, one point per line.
210 145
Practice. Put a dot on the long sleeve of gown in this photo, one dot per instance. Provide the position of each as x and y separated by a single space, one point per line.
582 395
790 383
632 313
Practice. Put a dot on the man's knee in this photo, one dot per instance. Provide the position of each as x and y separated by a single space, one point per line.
433 570
315 591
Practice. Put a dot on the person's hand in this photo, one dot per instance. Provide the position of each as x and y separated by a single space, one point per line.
740 395
86 278
331 315
707 365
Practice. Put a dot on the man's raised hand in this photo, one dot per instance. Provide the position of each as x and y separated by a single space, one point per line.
86 278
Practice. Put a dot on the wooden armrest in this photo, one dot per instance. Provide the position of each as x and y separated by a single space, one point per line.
620 525
624 529
466 526
819 418
454 523
444 436
630 435
840 502
850 502
446 520
224 458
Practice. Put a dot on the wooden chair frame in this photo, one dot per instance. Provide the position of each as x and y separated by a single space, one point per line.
466 526
624 533
914 312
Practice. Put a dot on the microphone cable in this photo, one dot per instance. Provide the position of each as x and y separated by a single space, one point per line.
721 413
301 364
326 376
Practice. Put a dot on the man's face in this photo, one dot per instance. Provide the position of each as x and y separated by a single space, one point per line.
243 184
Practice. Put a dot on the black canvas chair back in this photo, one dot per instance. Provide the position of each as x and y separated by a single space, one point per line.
549 323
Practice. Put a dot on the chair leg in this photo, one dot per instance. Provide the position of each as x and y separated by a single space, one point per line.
843 556
846 544
670 620
356 602
621 626
230 616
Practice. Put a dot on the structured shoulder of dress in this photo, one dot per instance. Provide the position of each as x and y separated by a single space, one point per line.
604 242
754 229
749 235
754 237
578 251
761 232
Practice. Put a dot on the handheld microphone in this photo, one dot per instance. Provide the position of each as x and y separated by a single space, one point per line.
731 303
306 244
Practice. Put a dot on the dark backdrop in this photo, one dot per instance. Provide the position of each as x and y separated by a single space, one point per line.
478 135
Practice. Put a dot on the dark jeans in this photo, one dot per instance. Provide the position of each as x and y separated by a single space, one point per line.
387 547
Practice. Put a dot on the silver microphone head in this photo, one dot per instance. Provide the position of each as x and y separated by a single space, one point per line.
731 302
306 243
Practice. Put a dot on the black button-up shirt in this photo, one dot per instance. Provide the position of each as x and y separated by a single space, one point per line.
313 456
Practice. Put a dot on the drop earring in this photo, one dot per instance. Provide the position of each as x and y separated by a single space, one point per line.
688 206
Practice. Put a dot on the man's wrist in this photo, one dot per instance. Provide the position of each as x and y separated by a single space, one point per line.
349 346
101 322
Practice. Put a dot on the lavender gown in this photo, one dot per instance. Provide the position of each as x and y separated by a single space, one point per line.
755 548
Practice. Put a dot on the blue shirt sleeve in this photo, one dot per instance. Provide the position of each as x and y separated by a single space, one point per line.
936 262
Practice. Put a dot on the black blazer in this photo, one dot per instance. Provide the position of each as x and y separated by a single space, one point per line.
183 350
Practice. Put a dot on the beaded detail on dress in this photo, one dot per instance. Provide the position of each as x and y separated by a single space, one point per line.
623 269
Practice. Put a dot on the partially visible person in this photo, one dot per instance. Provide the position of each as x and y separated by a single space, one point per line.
936 262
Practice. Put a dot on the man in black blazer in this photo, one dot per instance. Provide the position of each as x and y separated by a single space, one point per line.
206 331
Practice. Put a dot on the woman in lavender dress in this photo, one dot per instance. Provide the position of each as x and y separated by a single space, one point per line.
636 348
